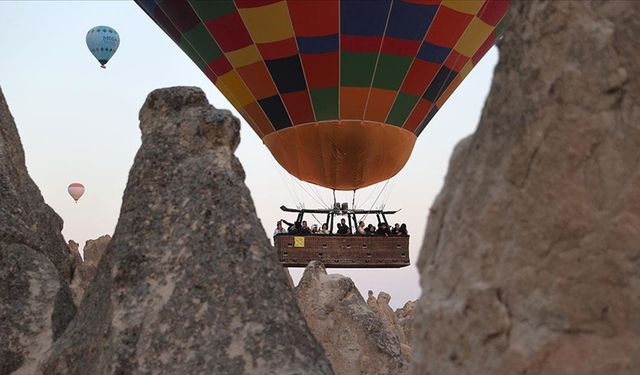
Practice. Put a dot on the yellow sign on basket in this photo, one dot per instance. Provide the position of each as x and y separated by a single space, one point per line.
298 241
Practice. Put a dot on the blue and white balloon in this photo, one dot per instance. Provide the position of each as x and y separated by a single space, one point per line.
103 42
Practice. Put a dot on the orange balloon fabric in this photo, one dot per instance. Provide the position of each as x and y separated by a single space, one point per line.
338 90
342 155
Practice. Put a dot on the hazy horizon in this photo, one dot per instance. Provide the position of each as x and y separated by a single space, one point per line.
79 123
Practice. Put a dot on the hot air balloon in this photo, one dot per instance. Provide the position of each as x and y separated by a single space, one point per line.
103 42
337 90
76 190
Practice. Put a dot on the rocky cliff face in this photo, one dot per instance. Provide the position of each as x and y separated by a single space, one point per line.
74 253
85 269
380 306
404 316
531 261
35 265
24 217
189 283
94 249
354 337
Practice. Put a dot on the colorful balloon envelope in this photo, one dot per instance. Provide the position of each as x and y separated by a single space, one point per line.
337 90
76 191
103 42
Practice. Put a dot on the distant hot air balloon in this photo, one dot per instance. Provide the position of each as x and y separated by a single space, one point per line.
103 42
76 190
338 90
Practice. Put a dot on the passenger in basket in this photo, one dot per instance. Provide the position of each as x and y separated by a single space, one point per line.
325 229
279 229
395 230
371 230
382 229
388 228
361 229
314 229
343 228
403 230
304 230
294 228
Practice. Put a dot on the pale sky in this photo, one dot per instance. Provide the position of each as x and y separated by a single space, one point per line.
79 123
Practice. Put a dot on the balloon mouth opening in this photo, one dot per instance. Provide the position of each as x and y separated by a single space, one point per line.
342 155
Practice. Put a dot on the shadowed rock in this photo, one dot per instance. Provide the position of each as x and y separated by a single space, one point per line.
380 306
189 283
74 253
85 269
35 264
531 258
355 339
405 320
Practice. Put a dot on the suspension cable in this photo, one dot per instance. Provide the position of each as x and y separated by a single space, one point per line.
373 190
289 190
306 191
386 197
353 201
374 202
319 222
317 194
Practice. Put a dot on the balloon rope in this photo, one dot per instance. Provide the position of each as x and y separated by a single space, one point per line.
319 191
374 202
287 185
379 194
317 194
373 190
353 201
385 199
319 222
306 191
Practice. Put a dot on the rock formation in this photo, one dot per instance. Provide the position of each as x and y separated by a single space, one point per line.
355 339
531 261
94 249
189 283
35 265
404 315
74 253
289 278
381 307
85 269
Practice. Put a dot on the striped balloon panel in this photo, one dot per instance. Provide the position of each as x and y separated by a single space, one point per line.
286 63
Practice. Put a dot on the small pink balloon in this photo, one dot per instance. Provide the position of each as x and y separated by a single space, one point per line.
76 190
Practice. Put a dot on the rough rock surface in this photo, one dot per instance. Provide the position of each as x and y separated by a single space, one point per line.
354 337
189 283
74 251
94 249
289 278
404 315
531 262
35 265
380 306
85 269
